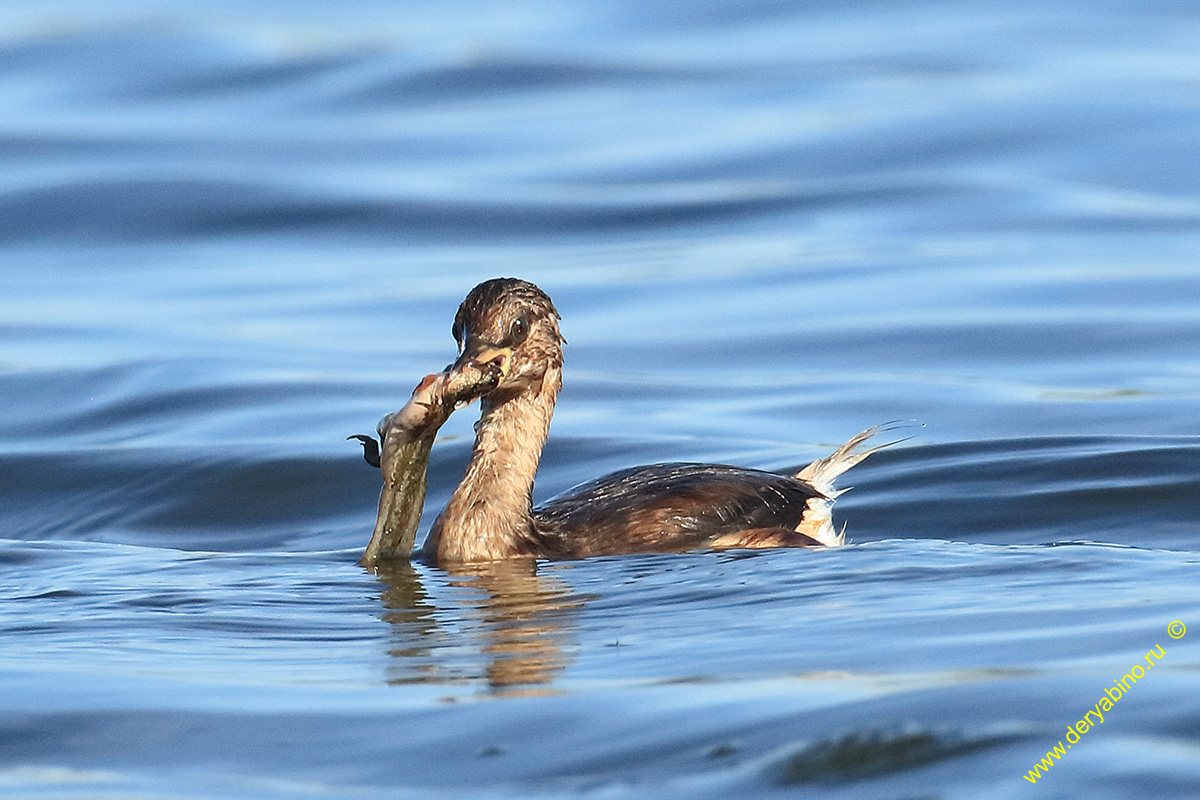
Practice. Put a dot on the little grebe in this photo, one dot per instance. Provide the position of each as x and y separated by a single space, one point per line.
510 356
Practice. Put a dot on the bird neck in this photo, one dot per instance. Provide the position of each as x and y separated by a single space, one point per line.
489 514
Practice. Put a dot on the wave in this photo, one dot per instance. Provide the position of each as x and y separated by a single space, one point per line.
1142 491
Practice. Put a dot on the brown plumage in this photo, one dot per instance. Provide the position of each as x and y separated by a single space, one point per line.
510 327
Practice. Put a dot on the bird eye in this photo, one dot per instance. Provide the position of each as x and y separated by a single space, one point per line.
519 330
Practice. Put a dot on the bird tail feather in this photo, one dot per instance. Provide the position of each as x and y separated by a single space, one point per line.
822 473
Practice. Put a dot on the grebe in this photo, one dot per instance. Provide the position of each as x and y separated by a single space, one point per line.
510 356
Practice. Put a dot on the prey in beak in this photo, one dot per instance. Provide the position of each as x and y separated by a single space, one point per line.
435 399
482 358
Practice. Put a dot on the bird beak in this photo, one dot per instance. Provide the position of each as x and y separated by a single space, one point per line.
480 356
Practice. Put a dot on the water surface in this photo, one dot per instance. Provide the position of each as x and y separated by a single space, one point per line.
233 234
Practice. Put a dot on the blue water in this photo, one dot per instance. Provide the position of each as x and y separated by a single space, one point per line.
232 234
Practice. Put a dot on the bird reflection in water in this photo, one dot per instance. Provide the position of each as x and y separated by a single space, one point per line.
513 628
